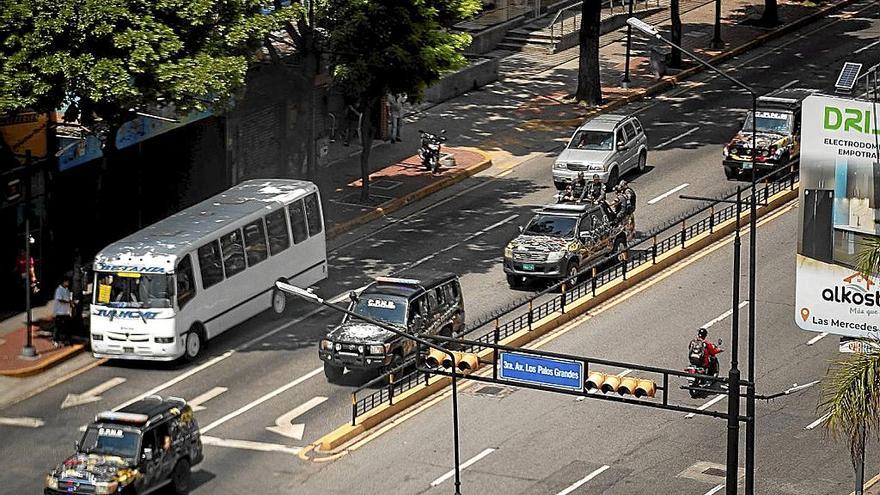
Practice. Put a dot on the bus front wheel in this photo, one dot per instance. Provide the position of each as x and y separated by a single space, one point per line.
193 344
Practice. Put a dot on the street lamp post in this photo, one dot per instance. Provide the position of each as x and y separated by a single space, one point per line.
716 38
312 297
629 31
28 351
750 390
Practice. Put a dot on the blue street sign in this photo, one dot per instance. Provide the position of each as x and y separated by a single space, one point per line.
540 370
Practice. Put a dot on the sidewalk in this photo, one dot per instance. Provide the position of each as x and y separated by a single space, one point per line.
497 127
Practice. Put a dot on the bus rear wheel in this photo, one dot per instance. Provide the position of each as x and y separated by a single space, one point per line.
279 302
193 344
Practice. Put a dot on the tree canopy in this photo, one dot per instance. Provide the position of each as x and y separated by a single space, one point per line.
110 58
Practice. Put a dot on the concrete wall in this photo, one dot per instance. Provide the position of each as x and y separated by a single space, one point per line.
479 73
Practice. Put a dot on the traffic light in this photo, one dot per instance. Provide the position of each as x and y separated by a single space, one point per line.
623 385
465 362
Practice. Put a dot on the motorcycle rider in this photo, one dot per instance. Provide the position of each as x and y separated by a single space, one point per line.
709 350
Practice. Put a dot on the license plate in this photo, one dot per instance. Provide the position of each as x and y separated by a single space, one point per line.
528 266
747 165
128 350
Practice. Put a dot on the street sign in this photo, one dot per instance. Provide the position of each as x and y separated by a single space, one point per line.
541 370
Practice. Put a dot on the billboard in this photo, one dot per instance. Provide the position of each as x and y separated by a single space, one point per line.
840 210
25 131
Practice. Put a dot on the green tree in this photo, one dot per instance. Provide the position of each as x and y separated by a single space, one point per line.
393 46
109 59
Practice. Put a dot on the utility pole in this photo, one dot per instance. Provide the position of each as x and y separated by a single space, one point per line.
28 351
733 374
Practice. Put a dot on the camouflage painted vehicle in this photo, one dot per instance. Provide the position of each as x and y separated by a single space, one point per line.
562 238
146 445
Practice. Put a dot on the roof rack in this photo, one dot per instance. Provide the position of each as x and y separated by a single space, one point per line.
178 400
395 280
122 417
568 207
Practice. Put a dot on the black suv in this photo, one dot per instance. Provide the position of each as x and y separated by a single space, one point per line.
777 138
138 449
423 302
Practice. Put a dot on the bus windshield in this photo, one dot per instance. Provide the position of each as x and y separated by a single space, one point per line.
133 290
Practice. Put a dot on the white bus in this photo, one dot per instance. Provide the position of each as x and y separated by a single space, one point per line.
160 293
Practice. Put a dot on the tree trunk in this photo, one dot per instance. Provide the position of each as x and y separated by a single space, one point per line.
675 13
859 462
366 126
770 17
589 88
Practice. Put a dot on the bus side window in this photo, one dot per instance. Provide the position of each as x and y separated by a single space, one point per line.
279 238
186 289
233 253
255 242
313 213
209 264
298 221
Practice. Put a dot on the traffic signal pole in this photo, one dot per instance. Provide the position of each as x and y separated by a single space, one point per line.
733 374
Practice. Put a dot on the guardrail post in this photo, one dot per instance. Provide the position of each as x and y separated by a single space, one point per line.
712 219
665 389
654 251
625 257
391 388
530 315
593 281
683 232
353 409
562 297
496 337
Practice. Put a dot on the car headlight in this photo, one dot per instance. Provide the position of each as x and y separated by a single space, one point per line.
597 167
51 482
380 349
360 349
97 336
508 251
555 256
106 487
560 165
725 152
163 340
326 345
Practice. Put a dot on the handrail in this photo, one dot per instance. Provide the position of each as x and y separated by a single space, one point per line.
605 3
676 234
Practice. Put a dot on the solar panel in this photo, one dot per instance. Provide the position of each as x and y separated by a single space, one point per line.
848 75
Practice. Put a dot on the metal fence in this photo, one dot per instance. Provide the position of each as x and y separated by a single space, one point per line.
555 299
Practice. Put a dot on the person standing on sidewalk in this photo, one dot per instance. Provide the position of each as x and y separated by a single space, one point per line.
395 113
62 309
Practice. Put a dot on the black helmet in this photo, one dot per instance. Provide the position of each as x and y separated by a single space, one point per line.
702 333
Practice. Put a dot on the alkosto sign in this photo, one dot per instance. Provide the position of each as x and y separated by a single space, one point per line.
840 211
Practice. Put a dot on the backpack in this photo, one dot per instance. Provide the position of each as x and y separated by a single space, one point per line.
696 352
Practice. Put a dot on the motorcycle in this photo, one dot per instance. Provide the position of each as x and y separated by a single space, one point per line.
429 149
699 386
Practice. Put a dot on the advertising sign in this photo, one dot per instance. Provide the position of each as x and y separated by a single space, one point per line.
540 370
25 131
840 211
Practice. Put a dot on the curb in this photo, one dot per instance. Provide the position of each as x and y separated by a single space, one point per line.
61 356
329 444
669 82
398 203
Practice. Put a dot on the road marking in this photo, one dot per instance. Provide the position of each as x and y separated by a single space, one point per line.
676 138
707 405
786 85
583 480
817 422
284 424
714 490
205 397
817 338
668 193
723 315
247 407
248 445
506 172
91 395
463 466
453 246
23 421
860 50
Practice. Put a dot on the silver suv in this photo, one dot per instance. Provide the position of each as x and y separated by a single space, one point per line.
608 146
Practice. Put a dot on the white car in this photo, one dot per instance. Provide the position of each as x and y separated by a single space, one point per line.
608 146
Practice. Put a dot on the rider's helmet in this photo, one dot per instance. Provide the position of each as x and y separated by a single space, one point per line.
580 175
596 178
702 333
622 185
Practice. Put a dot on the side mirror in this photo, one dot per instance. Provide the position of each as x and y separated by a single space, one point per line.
719 342
622 147
148 454
353 296
521 229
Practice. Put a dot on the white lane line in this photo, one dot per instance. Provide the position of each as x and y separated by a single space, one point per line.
817 422
247 407
786 85
860 50
506 172
466 239
91 395
723 315
676 138
668 193
817 338
583 480
707 405
714 490
248 445
23 421
463 466
205 397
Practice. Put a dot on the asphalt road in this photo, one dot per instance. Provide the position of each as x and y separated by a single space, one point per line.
260 370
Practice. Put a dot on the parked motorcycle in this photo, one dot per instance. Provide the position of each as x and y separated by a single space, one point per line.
699 386
429 150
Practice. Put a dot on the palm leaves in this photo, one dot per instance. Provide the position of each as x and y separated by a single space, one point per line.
868 259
